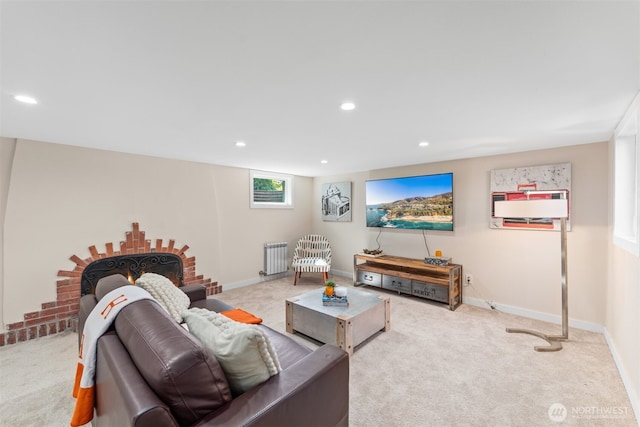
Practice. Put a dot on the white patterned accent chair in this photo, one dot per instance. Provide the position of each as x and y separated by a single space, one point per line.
312 255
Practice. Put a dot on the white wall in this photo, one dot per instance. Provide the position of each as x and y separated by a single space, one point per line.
623 296
623 305
516 269
7 149
62 199
243 231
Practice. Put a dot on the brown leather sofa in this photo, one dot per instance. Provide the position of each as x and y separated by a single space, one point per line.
151 372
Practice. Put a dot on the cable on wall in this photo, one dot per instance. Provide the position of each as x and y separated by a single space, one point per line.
424 236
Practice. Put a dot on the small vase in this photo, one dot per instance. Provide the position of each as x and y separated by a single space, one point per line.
328 290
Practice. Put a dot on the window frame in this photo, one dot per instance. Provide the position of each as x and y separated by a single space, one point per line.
626 181
288 190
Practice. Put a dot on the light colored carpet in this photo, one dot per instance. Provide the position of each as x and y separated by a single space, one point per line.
434 367
37 380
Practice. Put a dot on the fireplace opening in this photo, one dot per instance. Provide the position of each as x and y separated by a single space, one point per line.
132 266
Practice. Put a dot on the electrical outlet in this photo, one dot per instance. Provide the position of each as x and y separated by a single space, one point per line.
468 279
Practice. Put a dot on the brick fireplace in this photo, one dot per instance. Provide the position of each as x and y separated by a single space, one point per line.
62 314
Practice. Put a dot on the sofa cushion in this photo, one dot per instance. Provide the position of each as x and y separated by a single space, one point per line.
178 368
289 351
170 297
244 351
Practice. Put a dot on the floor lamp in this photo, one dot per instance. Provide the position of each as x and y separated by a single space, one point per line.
557 207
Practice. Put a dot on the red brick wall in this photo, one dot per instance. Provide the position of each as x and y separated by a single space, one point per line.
62 314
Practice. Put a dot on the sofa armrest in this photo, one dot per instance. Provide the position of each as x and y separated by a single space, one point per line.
312 392
87 302
198 296
122 396
195 292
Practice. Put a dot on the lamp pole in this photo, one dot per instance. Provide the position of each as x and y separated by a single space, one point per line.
554 340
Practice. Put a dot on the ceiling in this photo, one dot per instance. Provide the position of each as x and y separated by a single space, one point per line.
186 80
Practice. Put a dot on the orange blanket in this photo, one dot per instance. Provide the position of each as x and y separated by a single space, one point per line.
239 315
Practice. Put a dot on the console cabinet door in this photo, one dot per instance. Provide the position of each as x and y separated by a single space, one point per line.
369 278
396 283
431 291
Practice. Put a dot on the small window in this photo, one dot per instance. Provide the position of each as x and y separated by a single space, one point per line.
627 182
271 190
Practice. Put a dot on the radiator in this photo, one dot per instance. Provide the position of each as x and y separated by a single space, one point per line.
276 258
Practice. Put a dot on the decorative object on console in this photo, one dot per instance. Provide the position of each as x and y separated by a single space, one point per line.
372 252
437 260
554 208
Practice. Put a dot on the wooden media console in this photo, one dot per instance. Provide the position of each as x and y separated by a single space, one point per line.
410 276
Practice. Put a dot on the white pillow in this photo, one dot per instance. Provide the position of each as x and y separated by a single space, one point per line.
244 351
172 299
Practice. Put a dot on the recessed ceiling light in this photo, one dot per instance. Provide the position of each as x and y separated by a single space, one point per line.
347 106
423 144
26 99
324 162
240 144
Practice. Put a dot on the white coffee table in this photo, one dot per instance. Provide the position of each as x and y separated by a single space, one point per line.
344 327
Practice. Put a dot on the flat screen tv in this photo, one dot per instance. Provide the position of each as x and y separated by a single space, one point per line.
416 202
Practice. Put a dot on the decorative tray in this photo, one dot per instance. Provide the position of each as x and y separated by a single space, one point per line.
435 260
372 255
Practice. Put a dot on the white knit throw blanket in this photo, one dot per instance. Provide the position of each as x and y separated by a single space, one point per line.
168 295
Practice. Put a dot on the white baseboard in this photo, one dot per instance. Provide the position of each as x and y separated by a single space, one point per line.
254 280
633 397
260 279
537 315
